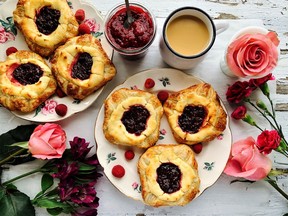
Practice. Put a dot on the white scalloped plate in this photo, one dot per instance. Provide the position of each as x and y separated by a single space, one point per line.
211 161
46 112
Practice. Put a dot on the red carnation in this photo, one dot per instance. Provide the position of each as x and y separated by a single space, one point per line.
267 141
238 91
239 112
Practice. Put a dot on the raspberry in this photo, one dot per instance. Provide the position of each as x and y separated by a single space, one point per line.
129 154
118 171
149 83
197 148
163 96
61 109
84 29
80 15
60 93
11 50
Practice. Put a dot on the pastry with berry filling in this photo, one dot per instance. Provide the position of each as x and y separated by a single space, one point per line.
45 24
26 81
132 118
195 114
168 175
81 66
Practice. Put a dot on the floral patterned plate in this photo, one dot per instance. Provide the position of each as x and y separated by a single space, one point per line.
211 161
11 36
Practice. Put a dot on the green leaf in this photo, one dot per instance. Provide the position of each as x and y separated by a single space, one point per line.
21 144
51 203
46 182
16 203
86 167
19 134
55 211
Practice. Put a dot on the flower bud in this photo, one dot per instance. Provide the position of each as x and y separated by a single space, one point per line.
265 89
249 120
261 105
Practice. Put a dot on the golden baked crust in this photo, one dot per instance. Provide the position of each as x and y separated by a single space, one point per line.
102 69
25 15
121 101
180 155
203 96
25 98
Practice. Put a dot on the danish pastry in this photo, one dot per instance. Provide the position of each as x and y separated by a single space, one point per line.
195 114
132 118
168 175
26 81
45 24
81 66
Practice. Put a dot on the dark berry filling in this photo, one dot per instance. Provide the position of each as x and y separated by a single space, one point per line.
135 119
192 118
47 20
27 74
82 67
168 177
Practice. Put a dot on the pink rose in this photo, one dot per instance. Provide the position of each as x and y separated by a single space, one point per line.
93 25
253 54
49 107
47 141
267 141
247 162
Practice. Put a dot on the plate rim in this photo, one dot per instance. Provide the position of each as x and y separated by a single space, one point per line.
228 128
30 116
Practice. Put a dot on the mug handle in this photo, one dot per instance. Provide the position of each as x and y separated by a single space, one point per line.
221 26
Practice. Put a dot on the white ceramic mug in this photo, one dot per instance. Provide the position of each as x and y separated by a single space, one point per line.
178 60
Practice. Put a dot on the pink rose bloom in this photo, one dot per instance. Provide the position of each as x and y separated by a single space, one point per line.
247 162
49 107
47 141
253 54
93 25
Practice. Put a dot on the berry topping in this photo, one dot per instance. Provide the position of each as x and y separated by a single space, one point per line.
61 109
197 148
11 50
82 66
149 83
80 15
84 29
168 177
118 171
60 93
163 96
47 20
135 119
27 74
192 118
129 154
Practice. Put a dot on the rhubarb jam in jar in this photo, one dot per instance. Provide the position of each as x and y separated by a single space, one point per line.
131 41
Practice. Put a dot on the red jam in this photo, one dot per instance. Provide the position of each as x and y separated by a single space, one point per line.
137 35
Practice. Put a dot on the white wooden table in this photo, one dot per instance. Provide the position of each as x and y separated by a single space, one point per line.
222 198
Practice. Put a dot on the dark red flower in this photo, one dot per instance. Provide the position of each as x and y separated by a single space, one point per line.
238 91
79 148
65 170
255 83
90 212
239 112
267 141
